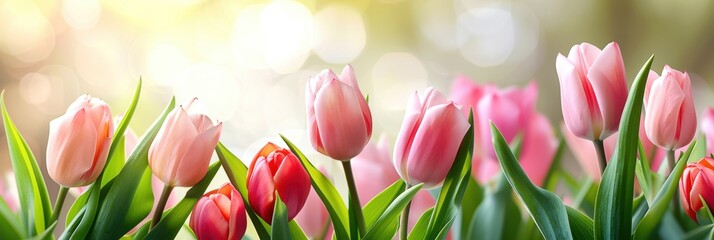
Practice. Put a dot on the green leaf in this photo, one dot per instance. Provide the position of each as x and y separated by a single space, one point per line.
327 192
613 207
116 149
114 163
644 174
704 216
546 209
35 209
47 234
280 228
702 232
237 173
296 232
172 220
375 207
454 186
87 219
472 199
497 216
580 224
663 199
419 230
385 226
112 221
700 150
10 227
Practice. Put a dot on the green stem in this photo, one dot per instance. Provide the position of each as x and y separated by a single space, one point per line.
162 204
58 204
672 161
404 225
354 202
600 150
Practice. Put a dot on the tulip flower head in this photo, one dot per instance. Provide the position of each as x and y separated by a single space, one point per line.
339 119
428 141
670 118
79 142
593 90
276 170
219 214
182 150
697 181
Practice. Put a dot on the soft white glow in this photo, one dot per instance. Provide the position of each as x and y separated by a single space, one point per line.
339 34
164 62
214 85
490 34
35 88
81 14
27 35
396 76
287 26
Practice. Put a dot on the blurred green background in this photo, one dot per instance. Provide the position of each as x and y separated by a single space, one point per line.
248 61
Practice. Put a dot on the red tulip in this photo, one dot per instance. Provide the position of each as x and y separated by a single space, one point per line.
277 170
670 118
697 180
79 142
429 139
182 150
593 90
339 119
219 214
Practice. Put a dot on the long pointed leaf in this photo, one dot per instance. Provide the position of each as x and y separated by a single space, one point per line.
613 207
35 208
280 229
385 226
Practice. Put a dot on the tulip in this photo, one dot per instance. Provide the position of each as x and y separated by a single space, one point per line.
708 129
696 182
670 119
182 150
338 117
219 214
428 141
8 192
272 170
79 142
513 111
593 90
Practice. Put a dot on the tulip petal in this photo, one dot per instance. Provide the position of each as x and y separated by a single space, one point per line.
435 144
211 224
237 223
193 165
574 100
539 146
687 122
608 80
261 190
583 55
172 141
651 77
663 112
71 148
293 184
340 120
410 125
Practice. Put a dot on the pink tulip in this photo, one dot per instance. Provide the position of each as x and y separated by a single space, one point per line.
338 117
428 141
79 142
374 172
277 170
182 150
512 110
697 180
708 129
314 218
219 214
593 90
670 119
8 192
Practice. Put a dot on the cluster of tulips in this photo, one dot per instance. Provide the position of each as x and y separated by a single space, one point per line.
455 164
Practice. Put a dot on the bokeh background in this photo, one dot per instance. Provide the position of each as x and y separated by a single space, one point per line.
248 60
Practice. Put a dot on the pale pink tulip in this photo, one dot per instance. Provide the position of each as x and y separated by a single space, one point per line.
428 141
593 90
338 117
219 214
276 170
512 110
79 142
8 192
697 180
182 150
708 129
670 118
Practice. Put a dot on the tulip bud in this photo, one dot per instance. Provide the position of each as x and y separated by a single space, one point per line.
338 117
593 90
219 214
697 180
277 170
182 150
429 139
670 119
79 142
